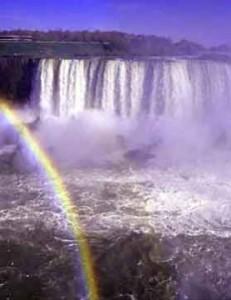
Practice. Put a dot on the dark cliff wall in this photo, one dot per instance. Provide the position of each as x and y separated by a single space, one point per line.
16 78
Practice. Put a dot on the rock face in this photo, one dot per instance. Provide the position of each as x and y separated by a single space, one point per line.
13 158
16 78
7 154
14 154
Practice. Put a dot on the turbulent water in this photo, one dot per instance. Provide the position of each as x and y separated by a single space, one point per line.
179 110
186 104
193 100
172 202
129 88
122 212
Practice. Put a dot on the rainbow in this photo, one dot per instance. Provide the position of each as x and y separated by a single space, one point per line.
69 208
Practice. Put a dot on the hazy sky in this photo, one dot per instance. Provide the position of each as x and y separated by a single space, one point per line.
205 21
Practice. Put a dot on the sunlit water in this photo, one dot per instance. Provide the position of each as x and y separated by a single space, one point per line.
182 194
171 201
189 205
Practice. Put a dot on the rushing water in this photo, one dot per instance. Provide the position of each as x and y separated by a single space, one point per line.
183 192
170 201
172 88
189 209
186 106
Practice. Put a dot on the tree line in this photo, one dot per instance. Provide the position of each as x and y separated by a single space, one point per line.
116 42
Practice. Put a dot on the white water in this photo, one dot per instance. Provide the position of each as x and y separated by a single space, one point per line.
173 88
184 103
184 189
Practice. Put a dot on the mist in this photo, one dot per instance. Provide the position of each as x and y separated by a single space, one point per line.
95 138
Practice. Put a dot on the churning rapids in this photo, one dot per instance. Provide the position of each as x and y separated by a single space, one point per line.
144 147
179 108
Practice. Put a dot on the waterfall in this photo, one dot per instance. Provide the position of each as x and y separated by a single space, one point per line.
129 88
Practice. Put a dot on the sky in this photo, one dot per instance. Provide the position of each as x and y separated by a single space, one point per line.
204 21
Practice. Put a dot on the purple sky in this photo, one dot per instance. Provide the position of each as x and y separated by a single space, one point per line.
205 21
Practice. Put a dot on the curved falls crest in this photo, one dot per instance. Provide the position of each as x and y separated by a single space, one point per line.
172 88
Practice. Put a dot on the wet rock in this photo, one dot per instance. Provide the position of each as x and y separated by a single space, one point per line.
7 154
16 78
